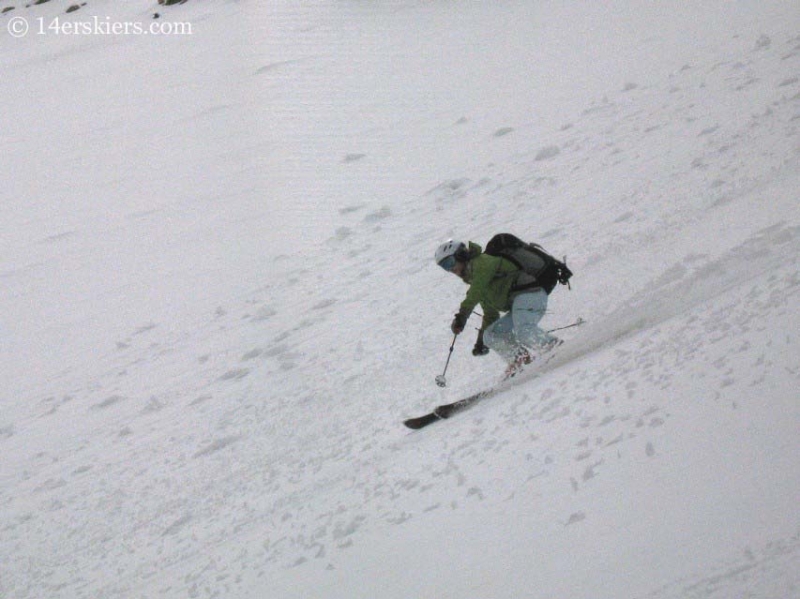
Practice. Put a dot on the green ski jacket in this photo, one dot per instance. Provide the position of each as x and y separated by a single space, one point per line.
490 279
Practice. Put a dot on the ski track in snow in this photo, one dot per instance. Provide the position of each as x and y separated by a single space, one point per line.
241 453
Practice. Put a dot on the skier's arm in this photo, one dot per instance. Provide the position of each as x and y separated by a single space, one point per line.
489 316
481 278
478 293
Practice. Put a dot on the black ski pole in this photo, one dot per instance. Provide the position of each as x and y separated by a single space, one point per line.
577 323
440 380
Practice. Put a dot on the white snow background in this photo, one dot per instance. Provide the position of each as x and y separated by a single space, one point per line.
218 300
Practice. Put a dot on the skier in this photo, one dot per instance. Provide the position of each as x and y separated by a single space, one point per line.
493 284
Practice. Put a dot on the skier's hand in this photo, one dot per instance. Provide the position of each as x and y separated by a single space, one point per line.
459 322
480 349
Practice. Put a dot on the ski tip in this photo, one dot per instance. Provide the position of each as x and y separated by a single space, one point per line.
422 421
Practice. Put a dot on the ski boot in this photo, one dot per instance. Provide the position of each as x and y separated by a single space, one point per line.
521 359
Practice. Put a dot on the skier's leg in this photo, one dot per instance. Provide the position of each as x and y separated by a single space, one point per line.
499 336
527 311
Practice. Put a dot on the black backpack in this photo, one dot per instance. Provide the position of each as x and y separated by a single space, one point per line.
539 268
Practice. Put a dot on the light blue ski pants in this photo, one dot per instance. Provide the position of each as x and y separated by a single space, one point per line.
519 328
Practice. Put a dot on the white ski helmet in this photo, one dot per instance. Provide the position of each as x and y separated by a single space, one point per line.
449 252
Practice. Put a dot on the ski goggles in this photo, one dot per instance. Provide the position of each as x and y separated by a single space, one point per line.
448 263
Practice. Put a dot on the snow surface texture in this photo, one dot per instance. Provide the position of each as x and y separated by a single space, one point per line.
218 301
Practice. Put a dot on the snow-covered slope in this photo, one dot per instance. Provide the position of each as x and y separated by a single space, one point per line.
218 300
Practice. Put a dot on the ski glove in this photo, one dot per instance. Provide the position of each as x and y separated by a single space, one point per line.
459 322
480 349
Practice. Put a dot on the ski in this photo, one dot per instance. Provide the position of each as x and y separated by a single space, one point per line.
447 410
421 421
